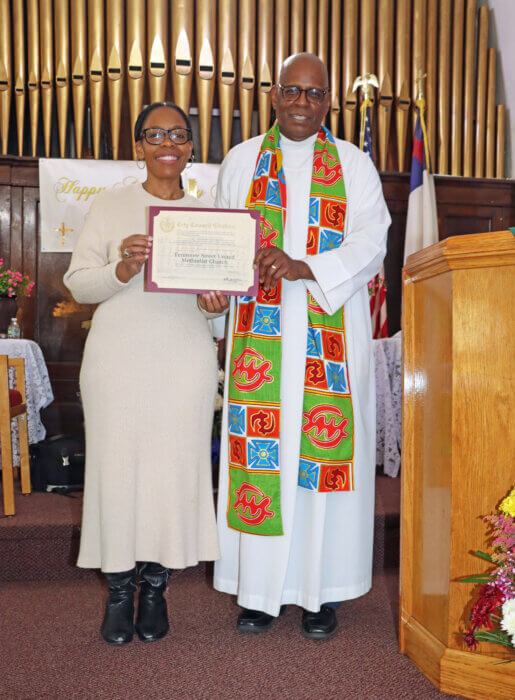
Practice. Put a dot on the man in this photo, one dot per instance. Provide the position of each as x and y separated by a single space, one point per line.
296 493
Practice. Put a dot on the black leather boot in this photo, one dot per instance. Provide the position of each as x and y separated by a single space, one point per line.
152 618
118 625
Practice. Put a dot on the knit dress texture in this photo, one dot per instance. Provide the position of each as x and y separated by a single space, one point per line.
148 385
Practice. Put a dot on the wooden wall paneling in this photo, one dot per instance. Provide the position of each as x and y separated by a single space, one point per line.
64 415
61 338
5 219
30 253
16 252
465 205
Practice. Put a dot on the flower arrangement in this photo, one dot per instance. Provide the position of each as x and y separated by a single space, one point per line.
492 618
13 283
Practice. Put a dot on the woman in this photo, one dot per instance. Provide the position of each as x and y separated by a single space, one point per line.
148 383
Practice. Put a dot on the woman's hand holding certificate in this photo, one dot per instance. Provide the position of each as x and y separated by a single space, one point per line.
198 250
134 251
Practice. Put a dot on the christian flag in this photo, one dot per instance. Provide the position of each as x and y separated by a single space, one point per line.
376 287
422 220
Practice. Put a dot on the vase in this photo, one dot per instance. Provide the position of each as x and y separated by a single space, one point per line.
8 309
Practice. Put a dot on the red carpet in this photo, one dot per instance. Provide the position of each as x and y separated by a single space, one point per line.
51 645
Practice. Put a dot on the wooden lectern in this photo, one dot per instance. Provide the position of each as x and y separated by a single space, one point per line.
458 450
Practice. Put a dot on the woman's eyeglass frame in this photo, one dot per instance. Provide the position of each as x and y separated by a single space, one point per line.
182 132
316 97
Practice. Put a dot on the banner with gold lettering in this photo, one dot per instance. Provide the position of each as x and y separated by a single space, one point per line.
67 188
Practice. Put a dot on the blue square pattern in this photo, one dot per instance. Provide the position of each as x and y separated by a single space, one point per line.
263 454
264 164
314 343
267 320
273 196
337 376
308 474
314 211
236 420
329 239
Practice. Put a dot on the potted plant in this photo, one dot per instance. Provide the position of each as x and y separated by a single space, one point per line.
12 285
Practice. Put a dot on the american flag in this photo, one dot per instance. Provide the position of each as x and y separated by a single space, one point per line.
376 286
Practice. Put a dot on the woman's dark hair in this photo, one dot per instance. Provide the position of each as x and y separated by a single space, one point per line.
138 126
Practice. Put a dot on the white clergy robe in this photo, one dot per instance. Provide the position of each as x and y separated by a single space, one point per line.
325 553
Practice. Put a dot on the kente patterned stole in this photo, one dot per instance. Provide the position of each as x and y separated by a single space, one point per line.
326 441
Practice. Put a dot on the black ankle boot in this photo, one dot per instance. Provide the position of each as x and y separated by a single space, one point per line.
152 618
118 624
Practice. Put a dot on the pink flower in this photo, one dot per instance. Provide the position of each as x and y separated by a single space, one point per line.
10 289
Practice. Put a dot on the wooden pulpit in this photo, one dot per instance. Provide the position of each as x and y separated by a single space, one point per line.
458 450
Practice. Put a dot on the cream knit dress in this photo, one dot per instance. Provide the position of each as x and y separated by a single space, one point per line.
148 384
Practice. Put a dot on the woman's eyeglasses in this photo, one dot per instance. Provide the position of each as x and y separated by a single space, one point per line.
154 135
291 93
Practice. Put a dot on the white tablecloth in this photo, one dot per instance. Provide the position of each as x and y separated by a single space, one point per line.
388 357
37 387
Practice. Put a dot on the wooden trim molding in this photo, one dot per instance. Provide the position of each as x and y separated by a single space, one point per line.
457 672
462 252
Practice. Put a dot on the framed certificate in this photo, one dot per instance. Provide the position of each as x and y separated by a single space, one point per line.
198 250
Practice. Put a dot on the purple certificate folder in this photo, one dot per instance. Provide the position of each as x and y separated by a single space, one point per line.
175 229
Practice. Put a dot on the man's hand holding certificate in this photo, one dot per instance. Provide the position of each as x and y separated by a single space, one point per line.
199 250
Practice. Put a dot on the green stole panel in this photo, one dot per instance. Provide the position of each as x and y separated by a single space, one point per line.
327 435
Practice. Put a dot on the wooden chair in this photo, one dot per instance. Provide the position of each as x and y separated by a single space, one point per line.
13 405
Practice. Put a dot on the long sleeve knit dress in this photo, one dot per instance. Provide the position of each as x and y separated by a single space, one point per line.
148 384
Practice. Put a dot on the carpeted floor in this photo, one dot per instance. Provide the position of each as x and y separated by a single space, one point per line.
51 648
50 645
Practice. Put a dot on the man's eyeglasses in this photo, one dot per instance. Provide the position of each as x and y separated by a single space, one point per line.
291 93
155 135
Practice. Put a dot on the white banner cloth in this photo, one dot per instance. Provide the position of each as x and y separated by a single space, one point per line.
67 188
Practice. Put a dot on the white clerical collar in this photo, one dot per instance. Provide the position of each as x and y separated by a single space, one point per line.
285 142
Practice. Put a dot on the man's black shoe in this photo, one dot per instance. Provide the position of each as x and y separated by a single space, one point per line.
320 625
255 621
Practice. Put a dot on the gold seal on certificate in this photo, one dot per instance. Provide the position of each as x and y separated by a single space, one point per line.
198 250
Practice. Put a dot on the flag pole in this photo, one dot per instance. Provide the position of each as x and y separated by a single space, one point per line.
421 104
365 82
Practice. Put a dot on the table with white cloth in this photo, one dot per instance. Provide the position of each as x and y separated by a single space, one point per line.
38 390
388 360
